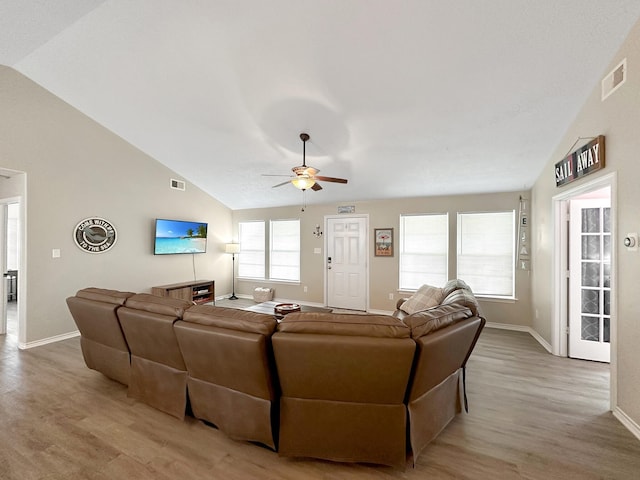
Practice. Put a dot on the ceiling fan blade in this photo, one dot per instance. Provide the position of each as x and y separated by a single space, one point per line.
316 187
331 179
281 184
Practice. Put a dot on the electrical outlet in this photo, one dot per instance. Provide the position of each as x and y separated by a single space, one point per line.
391 296
306 289
55 253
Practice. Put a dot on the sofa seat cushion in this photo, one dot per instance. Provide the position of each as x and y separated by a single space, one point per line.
173 307
104 295
425 297
381 326
231 319
428 321
464 297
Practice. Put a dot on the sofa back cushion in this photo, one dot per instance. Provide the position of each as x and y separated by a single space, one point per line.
340 368
147 322
231 359
429 321
94 312
114 297
172 307
453 285
464 297
344 324
231 319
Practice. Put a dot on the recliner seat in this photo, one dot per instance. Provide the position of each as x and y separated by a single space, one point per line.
104 347
228 355
158 372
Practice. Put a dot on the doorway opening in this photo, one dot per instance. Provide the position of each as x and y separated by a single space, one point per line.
13 256
585 293
11 263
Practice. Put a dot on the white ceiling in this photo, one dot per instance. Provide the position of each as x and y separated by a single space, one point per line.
402 97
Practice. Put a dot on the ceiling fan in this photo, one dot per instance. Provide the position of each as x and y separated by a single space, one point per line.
305 177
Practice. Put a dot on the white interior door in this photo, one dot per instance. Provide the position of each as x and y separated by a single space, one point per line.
590 279
347 274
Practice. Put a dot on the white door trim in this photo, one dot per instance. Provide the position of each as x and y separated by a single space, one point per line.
559 319
365 216
21 269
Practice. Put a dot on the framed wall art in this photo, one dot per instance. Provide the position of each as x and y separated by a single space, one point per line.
383 242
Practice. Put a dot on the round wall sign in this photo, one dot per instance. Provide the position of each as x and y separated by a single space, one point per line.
95 235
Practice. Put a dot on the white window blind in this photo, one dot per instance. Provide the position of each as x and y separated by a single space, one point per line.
424 241
284 263
486 249
251 263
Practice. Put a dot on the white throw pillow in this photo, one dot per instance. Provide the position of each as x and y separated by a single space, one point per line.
426 297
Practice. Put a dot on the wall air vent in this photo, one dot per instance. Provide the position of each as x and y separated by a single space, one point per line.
615 79
177 184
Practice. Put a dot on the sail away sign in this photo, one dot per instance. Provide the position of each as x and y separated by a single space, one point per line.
585 160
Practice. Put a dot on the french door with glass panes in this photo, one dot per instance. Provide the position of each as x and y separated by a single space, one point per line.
590 279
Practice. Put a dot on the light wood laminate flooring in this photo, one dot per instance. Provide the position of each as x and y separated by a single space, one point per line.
531 416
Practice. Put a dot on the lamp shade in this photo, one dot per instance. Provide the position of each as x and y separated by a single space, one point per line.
232 248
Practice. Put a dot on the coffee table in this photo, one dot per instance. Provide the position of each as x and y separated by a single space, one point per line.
268 308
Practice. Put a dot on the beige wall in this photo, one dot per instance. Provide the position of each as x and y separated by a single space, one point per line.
77 169
618 118
384 270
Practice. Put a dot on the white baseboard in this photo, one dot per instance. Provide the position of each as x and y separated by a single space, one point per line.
625 420
227 295
45 341
521 328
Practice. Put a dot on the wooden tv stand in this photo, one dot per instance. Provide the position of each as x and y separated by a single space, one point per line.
197 291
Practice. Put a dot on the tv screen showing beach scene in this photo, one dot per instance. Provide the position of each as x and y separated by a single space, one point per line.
178 236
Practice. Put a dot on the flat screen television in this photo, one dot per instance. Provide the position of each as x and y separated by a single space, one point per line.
179 236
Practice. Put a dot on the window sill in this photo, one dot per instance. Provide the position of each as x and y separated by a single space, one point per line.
268 280
489 298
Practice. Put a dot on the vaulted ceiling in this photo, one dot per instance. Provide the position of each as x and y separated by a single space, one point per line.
403 98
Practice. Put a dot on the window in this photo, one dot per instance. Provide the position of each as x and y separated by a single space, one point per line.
424 244
285 250
251 262
486 252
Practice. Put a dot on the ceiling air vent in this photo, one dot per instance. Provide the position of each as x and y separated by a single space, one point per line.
177 184
615 79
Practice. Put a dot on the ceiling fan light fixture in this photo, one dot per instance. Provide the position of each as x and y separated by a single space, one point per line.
303 182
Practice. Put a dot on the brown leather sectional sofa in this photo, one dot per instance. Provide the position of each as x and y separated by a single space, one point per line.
342 387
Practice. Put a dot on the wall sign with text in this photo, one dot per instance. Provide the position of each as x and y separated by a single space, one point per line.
585 160
95 235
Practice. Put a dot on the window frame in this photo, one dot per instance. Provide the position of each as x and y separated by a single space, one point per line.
481 292
244 252
279 253
402 253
